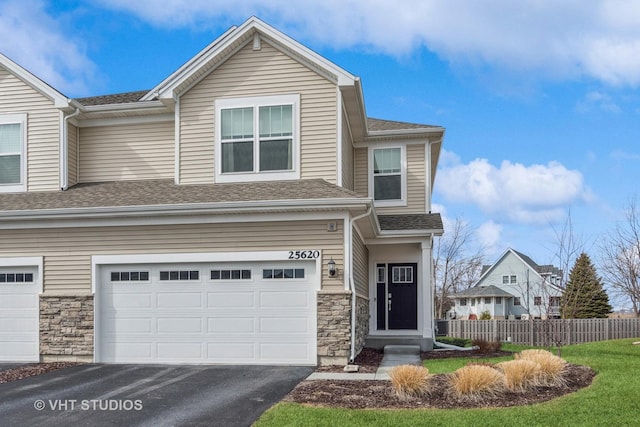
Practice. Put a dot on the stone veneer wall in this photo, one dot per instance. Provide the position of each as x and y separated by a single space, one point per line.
334 327
66 328
362 322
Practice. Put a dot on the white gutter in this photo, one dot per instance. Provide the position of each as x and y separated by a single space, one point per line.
64 146
351 284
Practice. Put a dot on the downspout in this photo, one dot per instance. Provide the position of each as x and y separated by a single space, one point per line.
64 167
351 283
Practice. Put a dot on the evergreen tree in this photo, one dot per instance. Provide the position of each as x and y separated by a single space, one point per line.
584 296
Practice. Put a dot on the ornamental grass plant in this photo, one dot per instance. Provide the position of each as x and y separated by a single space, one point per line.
520 374
409 381
551 366
475 381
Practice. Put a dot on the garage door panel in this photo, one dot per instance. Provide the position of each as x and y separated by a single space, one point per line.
130 300
231 325
284 324
185 351
183 325
169 300
230 299
130 325
249 321
19 301
284 299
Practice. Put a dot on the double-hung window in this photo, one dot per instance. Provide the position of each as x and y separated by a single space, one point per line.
257 138
388 177
12 152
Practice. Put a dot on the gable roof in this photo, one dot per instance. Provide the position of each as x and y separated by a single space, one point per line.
59 100
424 222
537 269
228 43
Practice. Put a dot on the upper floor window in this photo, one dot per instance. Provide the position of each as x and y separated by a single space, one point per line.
388 176
257 138
12 152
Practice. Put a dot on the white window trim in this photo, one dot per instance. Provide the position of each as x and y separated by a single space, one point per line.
21 119
256 174
403 176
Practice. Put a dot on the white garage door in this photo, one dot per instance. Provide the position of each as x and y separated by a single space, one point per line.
19 314
256 313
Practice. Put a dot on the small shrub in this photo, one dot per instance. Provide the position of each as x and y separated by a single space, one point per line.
551 366
520 374
476 381
487 347
409 381
485 315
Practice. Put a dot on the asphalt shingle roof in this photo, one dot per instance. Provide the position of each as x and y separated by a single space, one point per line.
165 192
431 221
116 98
381 125
482 291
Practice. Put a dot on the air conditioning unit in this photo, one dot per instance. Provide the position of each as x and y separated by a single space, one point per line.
525 317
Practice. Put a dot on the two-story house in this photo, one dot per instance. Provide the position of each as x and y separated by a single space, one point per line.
513 287
244 210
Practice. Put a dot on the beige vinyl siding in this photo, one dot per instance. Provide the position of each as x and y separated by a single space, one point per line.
67 252
361 171
257 73
347 156
43 130
72 154
360 266
126 152
415 183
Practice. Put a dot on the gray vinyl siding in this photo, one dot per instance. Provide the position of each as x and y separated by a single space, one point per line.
360 266
43 130
127 152
257 73
67 252
72 154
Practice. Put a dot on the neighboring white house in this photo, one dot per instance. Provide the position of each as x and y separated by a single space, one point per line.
513 287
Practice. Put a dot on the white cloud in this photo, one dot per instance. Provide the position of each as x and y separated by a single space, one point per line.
597 100
489 235
513 191
41 44
549 38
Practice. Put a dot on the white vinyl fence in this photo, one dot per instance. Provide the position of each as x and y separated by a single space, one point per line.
545 332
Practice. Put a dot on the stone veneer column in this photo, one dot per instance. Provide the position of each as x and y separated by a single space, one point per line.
362 322
334 327
66 328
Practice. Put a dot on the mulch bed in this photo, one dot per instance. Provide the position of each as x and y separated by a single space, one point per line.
371 394
32 370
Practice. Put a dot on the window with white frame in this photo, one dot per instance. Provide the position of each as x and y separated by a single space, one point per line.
516 301
257 138
463 302
505 280
12 152
388 176
537 300
498 300
514 279
487 300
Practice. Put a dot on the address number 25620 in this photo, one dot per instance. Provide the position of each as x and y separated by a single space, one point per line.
304 254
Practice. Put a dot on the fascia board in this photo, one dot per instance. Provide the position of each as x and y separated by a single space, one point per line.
59 100
187 67
187 209
386 134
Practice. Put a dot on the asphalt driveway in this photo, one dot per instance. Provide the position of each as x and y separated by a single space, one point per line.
147 395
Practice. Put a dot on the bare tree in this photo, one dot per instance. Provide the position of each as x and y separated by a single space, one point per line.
620 264
457 264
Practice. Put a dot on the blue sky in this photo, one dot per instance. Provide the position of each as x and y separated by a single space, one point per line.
540 99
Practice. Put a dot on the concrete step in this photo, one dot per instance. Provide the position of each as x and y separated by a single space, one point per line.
402 350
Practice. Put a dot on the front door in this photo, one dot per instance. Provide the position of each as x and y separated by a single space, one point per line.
398 297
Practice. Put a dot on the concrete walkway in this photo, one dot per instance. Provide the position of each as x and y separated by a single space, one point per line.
394 355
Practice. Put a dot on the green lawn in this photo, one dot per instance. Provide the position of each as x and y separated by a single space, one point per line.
612 400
